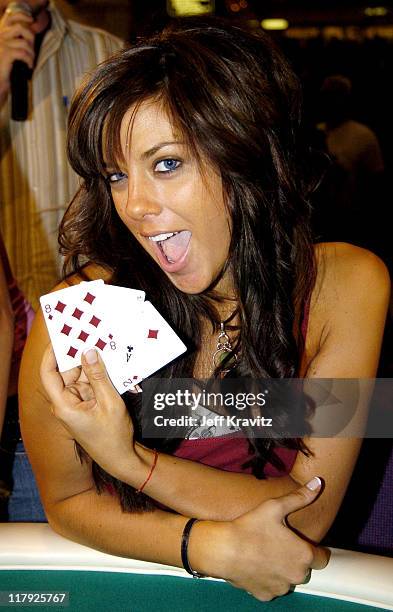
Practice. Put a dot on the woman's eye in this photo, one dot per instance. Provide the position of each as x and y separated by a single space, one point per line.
115 177
167 165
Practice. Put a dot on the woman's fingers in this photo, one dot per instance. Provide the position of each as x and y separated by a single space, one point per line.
301 497
50 377
321 557
67 391
93 412
96 373
55 382
259 538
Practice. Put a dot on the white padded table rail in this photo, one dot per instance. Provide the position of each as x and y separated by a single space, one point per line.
351 576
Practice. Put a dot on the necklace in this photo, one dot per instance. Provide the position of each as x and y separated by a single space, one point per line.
223 348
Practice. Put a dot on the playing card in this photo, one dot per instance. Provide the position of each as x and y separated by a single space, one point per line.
159 343
132 337
74 318
123 297
124 318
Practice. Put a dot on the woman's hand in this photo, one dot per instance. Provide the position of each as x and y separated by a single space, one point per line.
257 552
91 409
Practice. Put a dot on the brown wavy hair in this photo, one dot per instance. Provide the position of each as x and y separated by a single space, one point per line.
237 103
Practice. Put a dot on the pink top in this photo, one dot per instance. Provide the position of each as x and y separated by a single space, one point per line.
231 451
23 312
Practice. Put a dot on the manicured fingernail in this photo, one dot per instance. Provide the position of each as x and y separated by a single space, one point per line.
91 356
314 483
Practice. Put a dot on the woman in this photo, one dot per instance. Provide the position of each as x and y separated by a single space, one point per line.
191 191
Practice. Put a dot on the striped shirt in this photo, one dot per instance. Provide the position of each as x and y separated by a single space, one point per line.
36 181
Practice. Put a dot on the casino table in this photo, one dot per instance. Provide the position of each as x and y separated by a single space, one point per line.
36 561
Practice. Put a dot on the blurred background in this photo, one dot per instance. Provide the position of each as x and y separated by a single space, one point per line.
320 37
347 117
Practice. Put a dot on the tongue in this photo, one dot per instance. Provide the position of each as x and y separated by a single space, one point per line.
175 247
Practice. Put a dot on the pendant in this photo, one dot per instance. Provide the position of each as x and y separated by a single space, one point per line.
223 348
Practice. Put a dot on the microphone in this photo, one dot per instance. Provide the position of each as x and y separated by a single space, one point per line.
20 73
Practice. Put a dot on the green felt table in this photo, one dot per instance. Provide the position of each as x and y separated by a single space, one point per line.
113 591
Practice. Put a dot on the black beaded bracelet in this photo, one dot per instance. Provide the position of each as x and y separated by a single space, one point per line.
184 546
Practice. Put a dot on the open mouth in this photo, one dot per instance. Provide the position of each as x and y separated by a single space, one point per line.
173 245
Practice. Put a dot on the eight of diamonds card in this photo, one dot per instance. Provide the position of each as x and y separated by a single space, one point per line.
75 323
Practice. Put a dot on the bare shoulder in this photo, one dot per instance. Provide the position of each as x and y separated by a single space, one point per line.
347 312
89 272
345 271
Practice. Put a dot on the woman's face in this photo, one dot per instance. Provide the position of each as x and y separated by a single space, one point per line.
172 206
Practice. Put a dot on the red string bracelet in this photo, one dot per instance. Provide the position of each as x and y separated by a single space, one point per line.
150 473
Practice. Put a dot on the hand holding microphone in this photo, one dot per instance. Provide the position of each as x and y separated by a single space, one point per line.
16 56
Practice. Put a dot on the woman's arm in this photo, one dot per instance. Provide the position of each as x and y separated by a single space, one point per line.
351 311
345 330
6 342
247 552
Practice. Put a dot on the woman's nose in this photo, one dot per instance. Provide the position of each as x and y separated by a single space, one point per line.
141 199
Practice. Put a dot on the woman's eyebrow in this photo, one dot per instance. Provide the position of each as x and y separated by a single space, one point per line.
159 146
150 152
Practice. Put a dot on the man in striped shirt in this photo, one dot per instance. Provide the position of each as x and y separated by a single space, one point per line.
36 181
